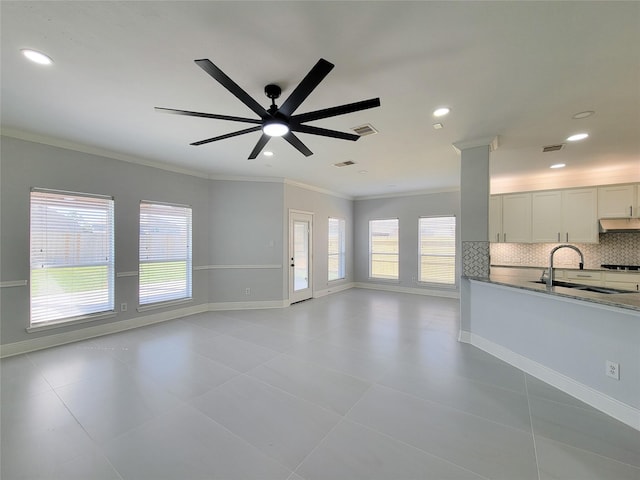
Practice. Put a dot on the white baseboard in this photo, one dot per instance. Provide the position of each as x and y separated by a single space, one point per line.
415 291
609 405
334 289
220 306
464 336
57 339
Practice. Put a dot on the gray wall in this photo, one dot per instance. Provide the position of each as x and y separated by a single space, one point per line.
322 206
408 209
246 227
26 164
574 338
237 224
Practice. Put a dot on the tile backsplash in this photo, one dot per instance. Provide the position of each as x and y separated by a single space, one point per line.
614 248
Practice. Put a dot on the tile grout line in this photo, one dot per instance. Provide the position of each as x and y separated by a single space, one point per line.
341 420
95 444
413 447
533 434
453 409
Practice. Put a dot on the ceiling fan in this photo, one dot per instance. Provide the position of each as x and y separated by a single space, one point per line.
279 121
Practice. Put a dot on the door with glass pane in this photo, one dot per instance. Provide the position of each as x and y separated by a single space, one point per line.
300 258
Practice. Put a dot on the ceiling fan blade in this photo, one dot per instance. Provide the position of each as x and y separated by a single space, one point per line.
295 141
207 115
305 87
228 135
325 132
259 146
335 111
232 86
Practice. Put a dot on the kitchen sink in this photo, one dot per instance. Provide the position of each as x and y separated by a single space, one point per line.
585 288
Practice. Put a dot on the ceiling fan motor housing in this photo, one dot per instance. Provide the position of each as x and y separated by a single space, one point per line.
272 91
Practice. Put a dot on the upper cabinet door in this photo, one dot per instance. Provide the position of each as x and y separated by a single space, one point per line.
546 217
616 201
495 218
516 217
580 215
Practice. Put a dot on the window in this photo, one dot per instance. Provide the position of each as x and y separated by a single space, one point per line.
383 249
165 252
72 266
438 250
336 249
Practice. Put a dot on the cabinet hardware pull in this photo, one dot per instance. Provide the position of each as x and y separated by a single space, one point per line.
567 236
583 276
631 211
558 236
505 237
498 237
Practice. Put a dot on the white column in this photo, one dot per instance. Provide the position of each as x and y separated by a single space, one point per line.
474 218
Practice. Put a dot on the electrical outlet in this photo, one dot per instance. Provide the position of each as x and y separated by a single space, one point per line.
613 370
123 307
247 291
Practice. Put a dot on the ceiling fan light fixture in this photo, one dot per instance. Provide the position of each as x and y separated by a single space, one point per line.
275 128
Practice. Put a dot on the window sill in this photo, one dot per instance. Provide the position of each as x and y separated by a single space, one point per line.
168 303
384 280
70 322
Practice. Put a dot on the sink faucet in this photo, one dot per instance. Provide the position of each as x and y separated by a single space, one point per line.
554 250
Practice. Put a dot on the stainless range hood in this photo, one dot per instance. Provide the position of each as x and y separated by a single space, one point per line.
617 225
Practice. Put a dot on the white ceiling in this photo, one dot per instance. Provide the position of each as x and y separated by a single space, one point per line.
518 70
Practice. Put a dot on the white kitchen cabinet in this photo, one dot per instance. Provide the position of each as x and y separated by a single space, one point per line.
516 218
580 215
584 277
567 216
510 218
617 201
622 280
495 218
546 216
637 206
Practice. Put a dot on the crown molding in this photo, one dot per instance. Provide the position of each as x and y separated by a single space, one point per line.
101 152
409 194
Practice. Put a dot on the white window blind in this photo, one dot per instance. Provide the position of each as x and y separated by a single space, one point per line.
72 261
438 250
165 253
336 248
384 249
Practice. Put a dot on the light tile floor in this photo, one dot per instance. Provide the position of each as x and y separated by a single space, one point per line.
361 384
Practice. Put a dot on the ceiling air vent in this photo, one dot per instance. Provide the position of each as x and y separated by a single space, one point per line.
344 164
364 130
552 148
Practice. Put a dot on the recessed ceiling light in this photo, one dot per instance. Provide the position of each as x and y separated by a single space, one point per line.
577 136
362 172
558 165
438 126
585 114
268 154
37 57
441 112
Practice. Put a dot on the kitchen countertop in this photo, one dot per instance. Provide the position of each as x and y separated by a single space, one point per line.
630 301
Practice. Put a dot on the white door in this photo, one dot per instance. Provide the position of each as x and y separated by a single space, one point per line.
300 258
